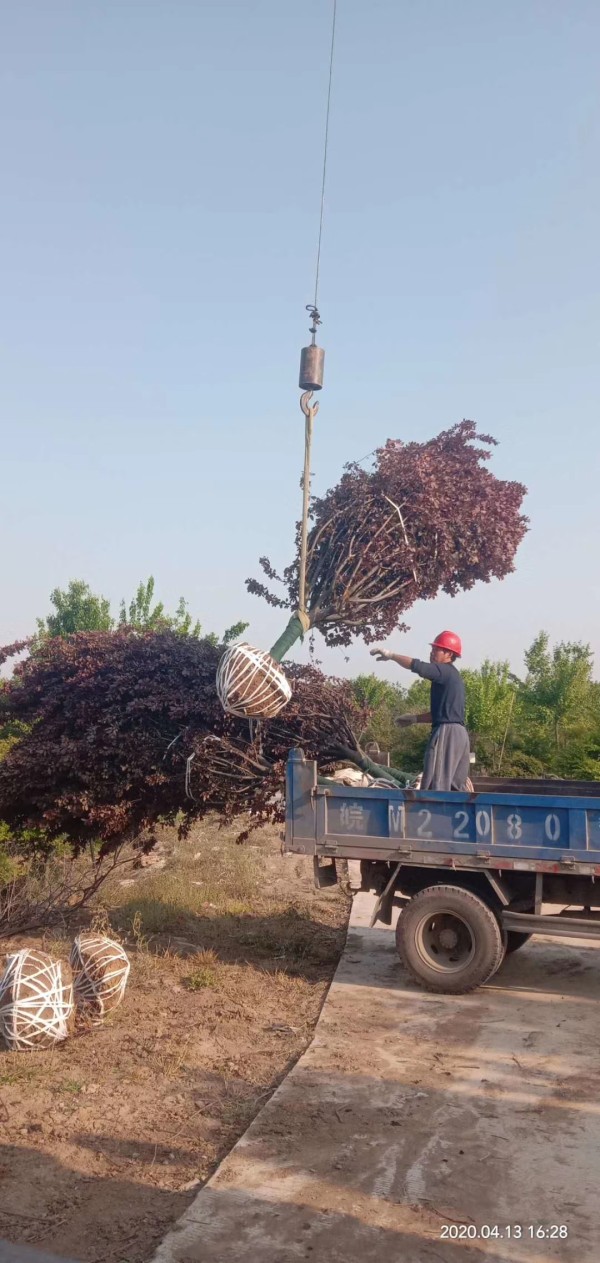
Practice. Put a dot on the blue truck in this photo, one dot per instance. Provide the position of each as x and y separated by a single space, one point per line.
474 873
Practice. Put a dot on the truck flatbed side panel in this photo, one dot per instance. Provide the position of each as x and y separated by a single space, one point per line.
509 829
549 785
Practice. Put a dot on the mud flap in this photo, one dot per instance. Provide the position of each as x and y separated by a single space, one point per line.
383 908
325 874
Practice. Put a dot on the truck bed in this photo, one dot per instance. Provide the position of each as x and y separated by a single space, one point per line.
540 826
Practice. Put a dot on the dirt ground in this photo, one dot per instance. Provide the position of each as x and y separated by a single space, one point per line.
107 1138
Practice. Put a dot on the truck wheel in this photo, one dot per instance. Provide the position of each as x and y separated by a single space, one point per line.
514 940
449 939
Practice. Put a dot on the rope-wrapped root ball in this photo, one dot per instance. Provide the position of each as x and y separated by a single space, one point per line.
36 1001
100 972
251 684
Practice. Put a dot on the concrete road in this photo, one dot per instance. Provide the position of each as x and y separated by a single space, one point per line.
417 1127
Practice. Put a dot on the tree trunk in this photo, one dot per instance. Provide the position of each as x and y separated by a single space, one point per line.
376 770
293 632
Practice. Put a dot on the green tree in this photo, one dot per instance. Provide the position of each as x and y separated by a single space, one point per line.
386 701
10 733
409 744
492 694
231 633
144 615
76 608
375 693
561 706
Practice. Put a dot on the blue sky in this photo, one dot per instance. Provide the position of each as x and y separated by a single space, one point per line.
158 214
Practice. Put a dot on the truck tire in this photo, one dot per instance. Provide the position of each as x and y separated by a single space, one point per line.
514 940
449 940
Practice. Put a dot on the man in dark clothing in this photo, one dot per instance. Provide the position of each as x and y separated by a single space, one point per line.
447 756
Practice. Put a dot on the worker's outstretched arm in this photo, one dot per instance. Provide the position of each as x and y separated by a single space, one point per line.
406 721
386 655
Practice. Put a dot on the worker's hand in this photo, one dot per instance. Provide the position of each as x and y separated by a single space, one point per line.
405 721
382 655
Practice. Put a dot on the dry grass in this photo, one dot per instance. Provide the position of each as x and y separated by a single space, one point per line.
218 897
220 876
40 894
232 951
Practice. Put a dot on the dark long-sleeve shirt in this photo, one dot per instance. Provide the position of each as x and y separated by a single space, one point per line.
447 691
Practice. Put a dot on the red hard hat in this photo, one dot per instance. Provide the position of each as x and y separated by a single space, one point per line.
448 640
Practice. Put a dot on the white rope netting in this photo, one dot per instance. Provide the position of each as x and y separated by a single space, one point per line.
100 972
251 684
36 1002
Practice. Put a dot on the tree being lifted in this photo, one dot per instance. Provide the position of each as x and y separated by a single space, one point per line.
426 518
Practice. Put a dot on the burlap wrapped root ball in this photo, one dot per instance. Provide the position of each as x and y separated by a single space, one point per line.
36 1001
100 972
251 684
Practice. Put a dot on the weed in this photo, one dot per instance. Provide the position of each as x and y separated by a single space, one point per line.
71 1085
200 978
171 1061
139 937
100 921
205 972
9 1078
238 908
56 944
24 1070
